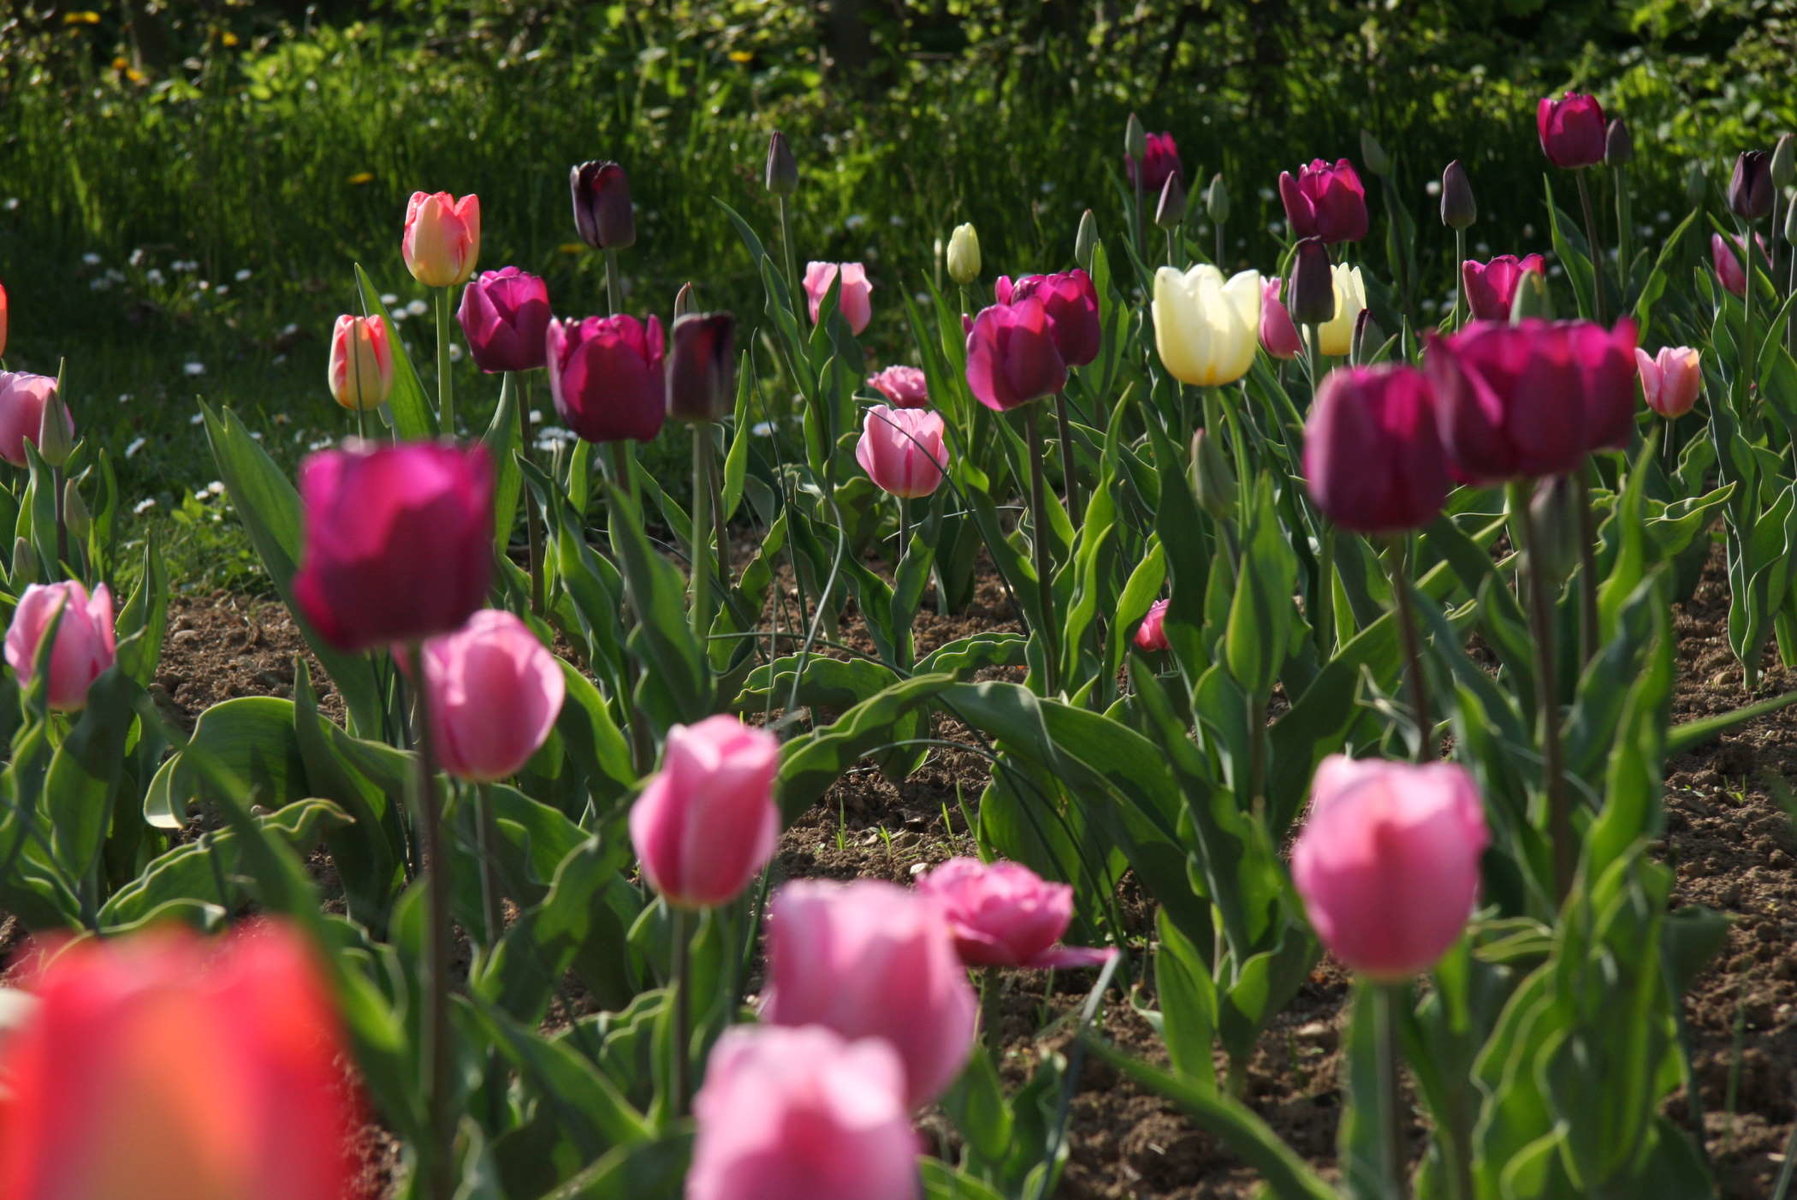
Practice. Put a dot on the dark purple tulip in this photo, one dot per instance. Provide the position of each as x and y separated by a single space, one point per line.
1572 130
1458 208
1072 304
1491 286
1325 201
1750 189
1372 456
605 376
1313 284
1509 401
602 210
505 314
702 367
1011 355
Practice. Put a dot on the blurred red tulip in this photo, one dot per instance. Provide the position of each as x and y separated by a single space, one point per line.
1325 201
1071 301
1491 287
495 692
1372 457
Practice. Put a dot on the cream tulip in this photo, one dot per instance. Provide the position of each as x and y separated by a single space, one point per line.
964 255
1206 329
1336 336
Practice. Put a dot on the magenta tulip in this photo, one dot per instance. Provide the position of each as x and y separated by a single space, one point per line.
1159 160
23 397
790 1113
494 691
1011 355
707 822
1005 915
1372 457
1726 256
1491 287
906 387
1388 862
1607 370
1278 334
1325 201
1572 130
1072 304
1671 381
504 315
902 450
398 541
1151 634
870 959
1510 401
606 377
85 644
853 299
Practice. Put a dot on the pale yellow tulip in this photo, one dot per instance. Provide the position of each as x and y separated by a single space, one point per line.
1206 329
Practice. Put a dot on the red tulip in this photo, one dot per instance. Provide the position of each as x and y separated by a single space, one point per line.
505 314
906 387
1372 458
1003 914
853 298
1606 362
1491 287
1670 381
162 1067
398 541
1072 304
442 239
360 370
902 450
495 692
1160 159
702 367
1325 201
1572 130
1011 355
1510 401
707 823
23 398
85 643
1151 634
606 377
1278 335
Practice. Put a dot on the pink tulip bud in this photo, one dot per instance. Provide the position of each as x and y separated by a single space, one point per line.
1491 287
1727 256
1670 381
707 823
802 1113
1278 335
1388 862
495 692
906 387
1005 915
852 299
1151 634
902 450
1572 130
1160 158
1372 458
23 398
606 377
442 240
398 541
870 959
162 1066
85 644
604 216
1324 201
504 315
361 366
1012 358
1071 301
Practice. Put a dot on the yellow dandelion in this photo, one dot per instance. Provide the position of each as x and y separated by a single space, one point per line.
573 247
741 56
87 17
361 177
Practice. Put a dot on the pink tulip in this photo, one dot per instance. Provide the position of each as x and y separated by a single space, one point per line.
361 366
606 377
1726 256
398 541
789 1113
442 239
1325 201
1160 160
495 692
164 1067
1572 130
505 314
1071 301
1509 400
1278 335
852 300
85 644
1151 634
1388 861
1005 915
1491 287
23 397
1012 358
1670 381
906 387
1372 457
870 959
902 450
707 823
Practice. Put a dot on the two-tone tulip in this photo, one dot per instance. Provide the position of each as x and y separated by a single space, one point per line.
360 371
1671 381
442 238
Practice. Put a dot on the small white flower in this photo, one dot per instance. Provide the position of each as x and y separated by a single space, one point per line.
216 487
137 257
1433 187
320 444
1483 248
143 506
194 368
762 429
855 221
243 275
124 397
196 419
1047 186
99 285
389 299
1266 195
278 359
136 445
91 259
12 204
536 416
418 308
256 434
154 275
222 289
455 352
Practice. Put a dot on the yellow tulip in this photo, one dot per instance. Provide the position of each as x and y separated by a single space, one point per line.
1336 336
1206 329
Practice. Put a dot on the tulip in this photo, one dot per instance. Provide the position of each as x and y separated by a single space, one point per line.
901 450
398 541
1783 169
505 314
1216 199
3 321
361 366
1278 335
1725 256
1085 240
964 254
1387 862
1750 188
1372 456
603 214
1671 381
1336 335
1151 634
1458 207
707 822
1012 358
110 1093
1313 283
1607 369
702 367
1135 142
1368 337
1072 303
1325 201
1572 130
1206 329
870 959
442 239
494 691
686 300
1005 915
1170 212
852 299
906 387
606 377
85 644
1159 159
55 430
24 398
781 176
1491 287
802 1112
1619 144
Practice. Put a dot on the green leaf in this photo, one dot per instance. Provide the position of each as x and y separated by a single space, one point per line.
412 418
252 739
504 442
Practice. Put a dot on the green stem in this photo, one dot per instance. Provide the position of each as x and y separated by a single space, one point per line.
1039 541
1597 254
1749 362
1547 703
683 1010
1623 220
486 837
1384 999
1588 626
1459 276
642 746
445 383
1136 227
1069 471
438 1086
62 523
1170 260
1220 243
1257 750
792 262
533 516
1396 564
614 283
701 534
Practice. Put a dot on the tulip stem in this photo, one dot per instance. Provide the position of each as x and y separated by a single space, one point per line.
437 1085
62 521
1397 554
1459 278
486 837
1588 626
445 384
792 262
533 517
1384 999
1749 355
701 535
1597 256
992 990
1136 227
681 933
1622 231
1170 260
1547 703
1069 470
1039 541
614 283
904 536
1219 263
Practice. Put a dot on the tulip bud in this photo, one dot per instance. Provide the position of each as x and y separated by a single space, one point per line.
1151 634
702 367
1791 224
1312 289
74 511
1458 208
1553 532
1784 162
1750 189
1212 478
1171 210
360 368
603 213
1619 144
1697 183
1216 199
1368 337
1532 299
1004 914
964 254
1373 154
1135 138
1085 242
685 300
782 176
56 430
902 450
24 563
85 644
1671 381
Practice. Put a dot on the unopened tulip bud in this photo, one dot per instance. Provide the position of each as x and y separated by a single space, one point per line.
685 300
963 254
1135 138
702 367
1532 299
74 511
1784 161
24 563
1216 200
1085 242
1368 337
1791 224
782 177
603 213
1619 144
1458 208
1553 540
1373 154
1750 189
1212 479
1171 211
1313 286
56 430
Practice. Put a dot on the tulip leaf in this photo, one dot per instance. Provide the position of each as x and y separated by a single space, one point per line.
412 419
252 739
810 763
85 769
649 1170
504 441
